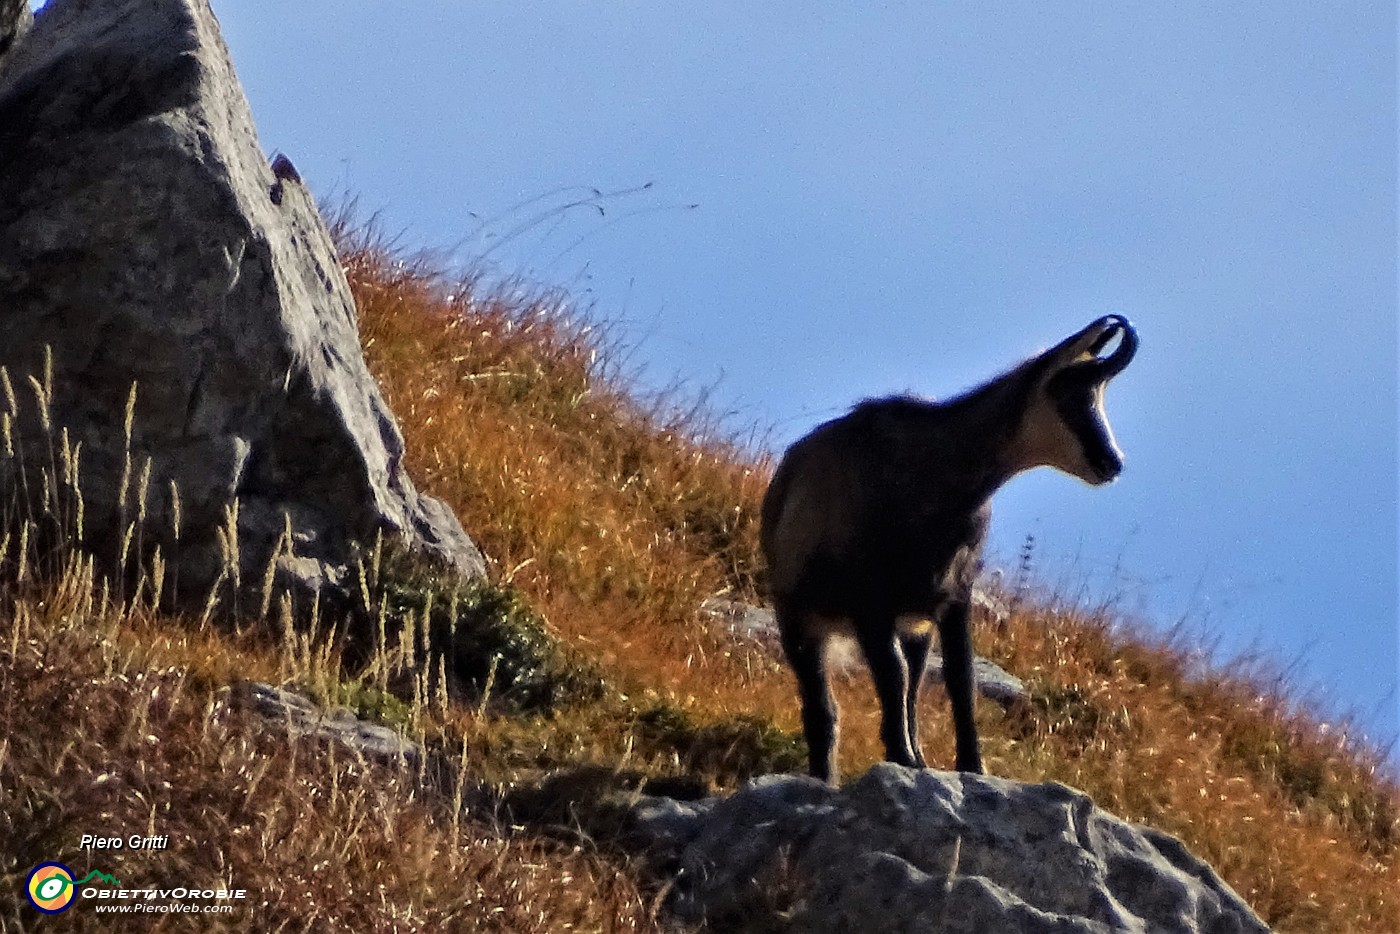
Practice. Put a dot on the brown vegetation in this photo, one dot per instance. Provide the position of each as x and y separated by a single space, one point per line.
615 517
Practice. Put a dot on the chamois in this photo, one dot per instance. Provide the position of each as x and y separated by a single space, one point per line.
874 523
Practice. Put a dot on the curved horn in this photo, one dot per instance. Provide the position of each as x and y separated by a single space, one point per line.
1115 362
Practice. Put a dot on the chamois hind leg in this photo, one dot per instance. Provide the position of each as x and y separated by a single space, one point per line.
956 644
915 649
806 653
891 674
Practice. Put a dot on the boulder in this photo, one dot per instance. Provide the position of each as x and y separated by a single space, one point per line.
917 850
15 20
145 239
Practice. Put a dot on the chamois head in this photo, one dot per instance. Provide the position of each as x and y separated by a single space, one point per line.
1063 425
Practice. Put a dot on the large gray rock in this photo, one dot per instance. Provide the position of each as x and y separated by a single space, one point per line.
144 236
15 20
918 850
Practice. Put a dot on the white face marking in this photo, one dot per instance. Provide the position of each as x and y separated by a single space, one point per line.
1089 474
1046 441
1088 450
1102 418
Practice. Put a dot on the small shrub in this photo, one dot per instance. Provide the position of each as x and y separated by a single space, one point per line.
732 750
370 703
497 649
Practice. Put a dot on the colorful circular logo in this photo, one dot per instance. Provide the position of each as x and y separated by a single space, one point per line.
50 887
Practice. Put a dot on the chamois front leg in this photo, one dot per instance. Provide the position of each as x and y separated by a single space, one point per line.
958 677
916 649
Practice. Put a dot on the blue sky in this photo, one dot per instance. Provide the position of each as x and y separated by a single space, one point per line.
903 198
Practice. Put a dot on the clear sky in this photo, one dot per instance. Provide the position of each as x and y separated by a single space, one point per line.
912 197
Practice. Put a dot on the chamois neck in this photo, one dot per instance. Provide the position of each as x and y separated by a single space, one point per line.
981 428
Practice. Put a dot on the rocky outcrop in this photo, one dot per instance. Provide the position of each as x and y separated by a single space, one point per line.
918 850
145 238
15 20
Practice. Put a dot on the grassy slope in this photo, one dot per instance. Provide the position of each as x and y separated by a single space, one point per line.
615 520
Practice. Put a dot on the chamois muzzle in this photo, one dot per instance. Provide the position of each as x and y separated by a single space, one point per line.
1106 463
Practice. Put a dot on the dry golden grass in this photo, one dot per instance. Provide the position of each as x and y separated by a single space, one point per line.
617 522
103 737
616 517
116 716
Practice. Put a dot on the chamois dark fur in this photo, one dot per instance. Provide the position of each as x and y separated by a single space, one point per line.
874 523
